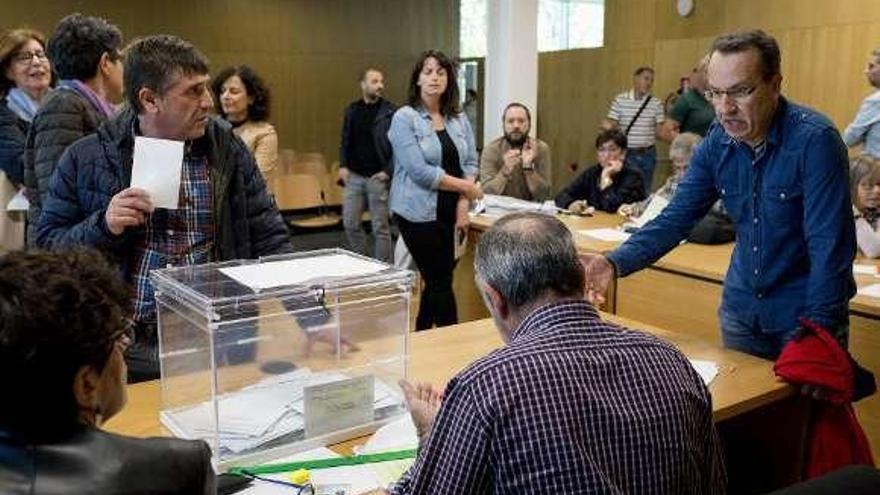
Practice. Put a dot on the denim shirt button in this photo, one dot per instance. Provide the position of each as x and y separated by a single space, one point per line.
756 271
755 249
755 220
760 295
723 191
781 195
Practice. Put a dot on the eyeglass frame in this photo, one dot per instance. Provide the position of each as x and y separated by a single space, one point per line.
27 58
738 95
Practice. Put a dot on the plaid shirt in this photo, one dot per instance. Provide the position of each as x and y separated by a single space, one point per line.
572 404
184 236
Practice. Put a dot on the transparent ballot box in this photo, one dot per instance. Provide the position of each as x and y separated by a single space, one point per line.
262 358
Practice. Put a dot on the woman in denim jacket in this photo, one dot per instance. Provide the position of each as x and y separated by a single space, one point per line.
435 164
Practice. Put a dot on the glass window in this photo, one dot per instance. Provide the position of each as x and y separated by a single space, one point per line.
562 25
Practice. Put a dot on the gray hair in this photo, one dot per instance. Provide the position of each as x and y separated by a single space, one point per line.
527 256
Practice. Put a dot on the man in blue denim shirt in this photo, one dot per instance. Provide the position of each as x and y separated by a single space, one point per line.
781 171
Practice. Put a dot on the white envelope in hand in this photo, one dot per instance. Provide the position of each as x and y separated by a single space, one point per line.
156 169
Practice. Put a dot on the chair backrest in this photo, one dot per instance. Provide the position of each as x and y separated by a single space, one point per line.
297 192
309 163
334 193
286 157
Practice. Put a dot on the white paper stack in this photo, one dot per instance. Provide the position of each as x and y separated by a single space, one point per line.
265 411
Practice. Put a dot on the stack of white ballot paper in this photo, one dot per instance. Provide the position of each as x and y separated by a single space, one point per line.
267 410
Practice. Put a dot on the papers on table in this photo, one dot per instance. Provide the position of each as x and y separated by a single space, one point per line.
707 370
350 479
397 435
259 276
156 169
606 234
860 269
265 411
496 205
655 206
872 290
18 202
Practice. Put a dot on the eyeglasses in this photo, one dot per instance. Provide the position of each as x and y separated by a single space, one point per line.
738 95
27 57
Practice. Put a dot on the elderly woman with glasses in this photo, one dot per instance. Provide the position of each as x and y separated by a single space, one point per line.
63 333
716 227
85 52
26 76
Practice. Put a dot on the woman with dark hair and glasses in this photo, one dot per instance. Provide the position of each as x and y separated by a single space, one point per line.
25 77
86 54
243 100
63 332
435 166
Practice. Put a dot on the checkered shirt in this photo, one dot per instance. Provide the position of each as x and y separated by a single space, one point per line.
184 236
572 404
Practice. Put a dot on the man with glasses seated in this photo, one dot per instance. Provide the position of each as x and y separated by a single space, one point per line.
781 171
571 403
63 332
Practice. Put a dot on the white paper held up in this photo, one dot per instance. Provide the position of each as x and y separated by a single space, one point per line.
156 169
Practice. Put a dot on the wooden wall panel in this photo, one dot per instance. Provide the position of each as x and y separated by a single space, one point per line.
309 51
824 49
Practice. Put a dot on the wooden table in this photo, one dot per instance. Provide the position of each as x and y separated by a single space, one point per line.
682 292
755 414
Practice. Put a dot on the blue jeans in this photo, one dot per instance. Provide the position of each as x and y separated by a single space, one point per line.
644 160
363 191
742 335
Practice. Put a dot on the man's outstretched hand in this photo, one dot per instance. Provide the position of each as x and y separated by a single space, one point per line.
424 402
598 273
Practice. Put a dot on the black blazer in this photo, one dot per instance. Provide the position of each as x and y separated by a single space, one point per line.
95 462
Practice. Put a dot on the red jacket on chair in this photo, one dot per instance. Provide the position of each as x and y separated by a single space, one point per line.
835 438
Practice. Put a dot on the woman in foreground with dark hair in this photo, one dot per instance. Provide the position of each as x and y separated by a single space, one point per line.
435 164
244 101
63 332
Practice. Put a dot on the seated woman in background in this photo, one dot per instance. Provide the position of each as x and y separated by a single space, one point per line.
864 181
607 185
716 227
25 77
63 331
244 101
87 55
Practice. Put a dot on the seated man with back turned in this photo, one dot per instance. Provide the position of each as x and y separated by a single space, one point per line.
224 212
516 164
571 403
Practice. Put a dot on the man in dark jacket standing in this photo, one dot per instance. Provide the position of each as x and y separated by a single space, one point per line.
365 166
85 52
224 209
